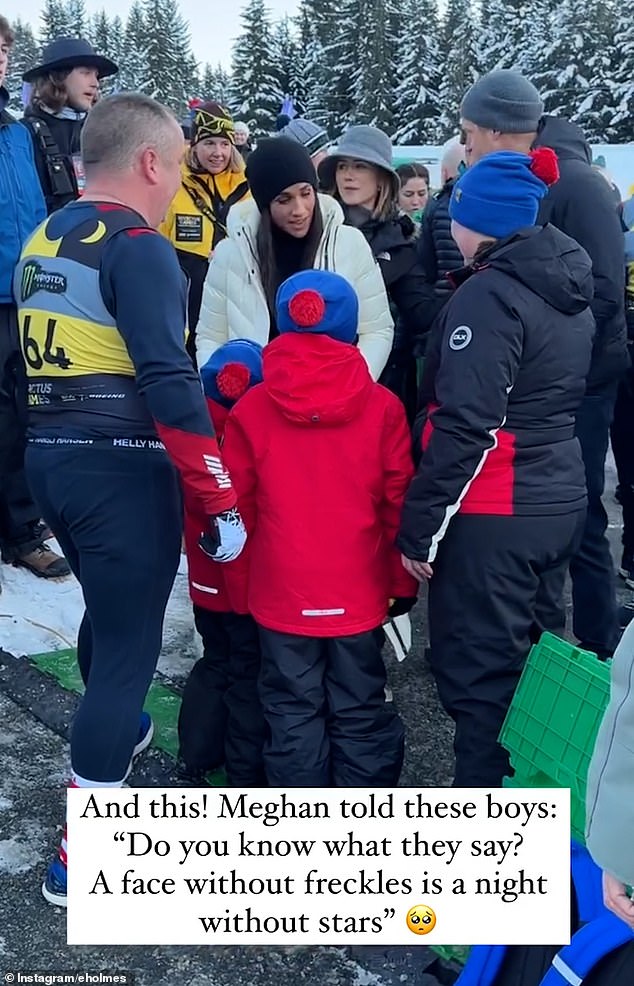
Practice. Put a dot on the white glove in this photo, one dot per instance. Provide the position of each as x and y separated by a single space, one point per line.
226 537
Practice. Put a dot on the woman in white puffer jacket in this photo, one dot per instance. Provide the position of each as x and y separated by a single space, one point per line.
287 227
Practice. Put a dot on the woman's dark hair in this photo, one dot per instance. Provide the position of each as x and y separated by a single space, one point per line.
406 172
50 90
265 245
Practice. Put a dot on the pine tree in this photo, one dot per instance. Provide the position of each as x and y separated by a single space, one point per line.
416 102
597 112
170 63
207 81
373 75
285 58
458 58
77 18
576 78
536 40
54 21
623 76
255 94
107 38
117 48
502 34
216 84
23 56
330 60
133 67
301 80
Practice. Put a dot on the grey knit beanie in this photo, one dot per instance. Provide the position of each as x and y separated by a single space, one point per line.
310 135
505 101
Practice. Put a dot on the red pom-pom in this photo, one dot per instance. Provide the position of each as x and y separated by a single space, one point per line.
545 165
307 309
233 380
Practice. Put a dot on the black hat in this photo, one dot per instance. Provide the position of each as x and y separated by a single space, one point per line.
70 53
276 163
212 120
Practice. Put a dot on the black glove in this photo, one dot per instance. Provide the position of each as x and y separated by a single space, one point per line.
401 605
226 536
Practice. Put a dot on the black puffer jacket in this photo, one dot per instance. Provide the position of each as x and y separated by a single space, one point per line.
582 205
506 370
56 172
437 250
393 245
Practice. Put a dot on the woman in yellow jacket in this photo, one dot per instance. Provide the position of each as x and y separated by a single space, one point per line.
212 181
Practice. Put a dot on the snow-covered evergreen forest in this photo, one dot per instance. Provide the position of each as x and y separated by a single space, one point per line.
402 65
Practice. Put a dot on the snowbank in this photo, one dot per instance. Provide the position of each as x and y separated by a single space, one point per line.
37 616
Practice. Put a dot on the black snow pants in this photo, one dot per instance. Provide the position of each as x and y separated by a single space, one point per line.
19 515
221 719
497 585
324 702
622 434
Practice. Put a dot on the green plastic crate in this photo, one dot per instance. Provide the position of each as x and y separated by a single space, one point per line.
452 953
577 803
552 723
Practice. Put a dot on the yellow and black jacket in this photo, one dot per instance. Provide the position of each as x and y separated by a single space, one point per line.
196 223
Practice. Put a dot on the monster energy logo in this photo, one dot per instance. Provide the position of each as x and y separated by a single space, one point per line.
35 278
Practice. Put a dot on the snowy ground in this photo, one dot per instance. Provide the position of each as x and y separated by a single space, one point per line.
37 616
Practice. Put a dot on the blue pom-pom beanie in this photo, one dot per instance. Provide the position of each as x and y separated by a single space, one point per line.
231 370
498 195
318 301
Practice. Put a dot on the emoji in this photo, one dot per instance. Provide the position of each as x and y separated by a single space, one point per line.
421 919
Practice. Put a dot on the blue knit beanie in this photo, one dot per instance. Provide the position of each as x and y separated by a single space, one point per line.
318 301
501 193
231 370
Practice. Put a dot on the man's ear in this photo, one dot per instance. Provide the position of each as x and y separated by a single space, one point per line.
148 162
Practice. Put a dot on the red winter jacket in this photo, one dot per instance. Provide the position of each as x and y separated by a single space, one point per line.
206 577
320 458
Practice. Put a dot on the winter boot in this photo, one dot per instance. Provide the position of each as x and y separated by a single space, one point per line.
43 532
41 561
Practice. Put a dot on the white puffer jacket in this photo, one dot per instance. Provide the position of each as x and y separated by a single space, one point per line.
234 305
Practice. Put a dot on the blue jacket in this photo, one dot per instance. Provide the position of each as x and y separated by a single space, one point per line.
22 205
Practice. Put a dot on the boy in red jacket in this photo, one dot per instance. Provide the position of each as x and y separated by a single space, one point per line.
220 719
320 458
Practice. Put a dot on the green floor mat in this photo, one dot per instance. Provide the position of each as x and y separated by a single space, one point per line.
162 702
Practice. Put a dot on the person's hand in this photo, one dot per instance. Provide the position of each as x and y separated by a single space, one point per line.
401 605
616 899
226 536
420 570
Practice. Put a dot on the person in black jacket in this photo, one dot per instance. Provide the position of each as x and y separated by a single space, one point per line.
503 111
437 250
22 209
497 507
65 87
361 176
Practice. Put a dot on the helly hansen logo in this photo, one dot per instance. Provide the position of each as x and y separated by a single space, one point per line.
216 468
35 278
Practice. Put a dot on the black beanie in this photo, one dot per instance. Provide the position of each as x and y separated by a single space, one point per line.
275 164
